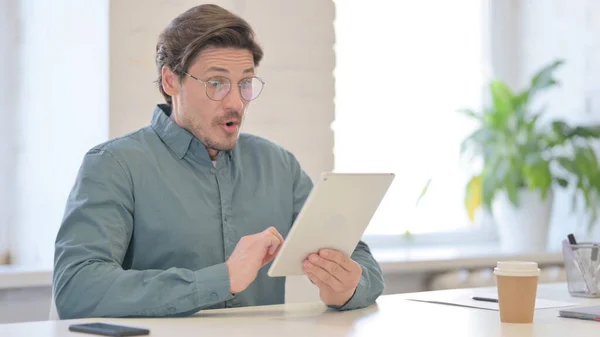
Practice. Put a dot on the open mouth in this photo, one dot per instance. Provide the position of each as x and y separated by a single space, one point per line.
230 127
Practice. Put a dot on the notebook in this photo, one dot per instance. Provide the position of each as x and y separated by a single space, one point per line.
588 313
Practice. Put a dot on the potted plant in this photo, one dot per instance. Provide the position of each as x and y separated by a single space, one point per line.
524 159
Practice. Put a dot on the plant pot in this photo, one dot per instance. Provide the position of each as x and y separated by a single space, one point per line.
523 228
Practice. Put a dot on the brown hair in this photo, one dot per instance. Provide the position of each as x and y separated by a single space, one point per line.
196 29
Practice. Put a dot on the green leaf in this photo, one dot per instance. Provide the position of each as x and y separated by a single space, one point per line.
561 128
489 189
502 98
423 191
471 113
590 155
521 100
512 190
595 181
574 198
590 202
567 164
478 138
538 175
532 123
586 132
585 166
501 169
492 176
543 78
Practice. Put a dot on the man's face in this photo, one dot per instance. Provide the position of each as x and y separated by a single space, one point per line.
214 120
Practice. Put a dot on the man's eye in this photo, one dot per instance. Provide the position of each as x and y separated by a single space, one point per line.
246 83
215 83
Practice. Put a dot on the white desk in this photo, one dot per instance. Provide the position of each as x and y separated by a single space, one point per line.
392 316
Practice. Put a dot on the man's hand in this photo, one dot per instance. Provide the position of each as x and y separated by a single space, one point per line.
251 253
335 274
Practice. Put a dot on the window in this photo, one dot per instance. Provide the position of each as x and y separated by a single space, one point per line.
8 61
48 121
403 70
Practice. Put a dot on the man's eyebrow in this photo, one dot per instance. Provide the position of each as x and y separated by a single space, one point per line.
224 70
217 69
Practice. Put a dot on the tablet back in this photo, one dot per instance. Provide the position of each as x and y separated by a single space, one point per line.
335 215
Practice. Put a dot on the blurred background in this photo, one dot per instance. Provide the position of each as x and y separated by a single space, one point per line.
351 86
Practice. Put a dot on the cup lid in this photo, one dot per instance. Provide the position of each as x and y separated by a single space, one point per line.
517 268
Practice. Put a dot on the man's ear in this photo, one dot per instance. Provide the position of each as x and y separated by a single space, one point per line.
170 81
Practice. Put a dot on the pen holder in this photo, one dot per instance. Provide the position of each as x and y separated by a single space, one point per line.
582 263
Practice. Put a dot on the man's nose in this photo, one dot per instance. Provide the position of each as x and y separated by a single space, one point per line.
234 100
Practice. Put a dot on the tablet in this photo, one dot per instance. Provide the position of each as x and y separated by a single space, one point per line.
335 215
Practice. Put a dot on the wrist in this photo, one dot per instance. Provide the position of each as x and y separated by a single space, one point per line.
233 284
344 298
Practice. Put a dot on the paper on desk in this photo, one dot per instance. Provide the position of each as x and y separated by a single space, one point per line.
465 299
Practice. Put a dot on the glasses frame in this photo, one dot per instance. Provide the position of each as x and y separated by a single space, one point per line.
238 85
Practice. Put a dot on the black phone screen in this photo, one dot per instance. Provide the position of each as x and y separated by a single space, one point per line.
108 329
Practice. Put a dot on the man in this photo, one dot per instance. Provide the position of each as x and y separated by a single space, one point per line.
183 215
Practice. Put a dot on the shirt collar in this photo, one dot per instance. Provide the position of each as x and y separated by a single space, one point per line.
178 139
175 137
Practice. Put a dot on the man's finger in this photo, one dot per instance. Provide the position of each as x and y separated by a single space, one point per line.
278 235
270 241
337 257
315 280
331 267
272 232
323 276
272 238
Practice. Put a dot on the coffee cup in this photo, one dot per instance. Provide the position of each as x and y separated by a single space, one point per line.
517 288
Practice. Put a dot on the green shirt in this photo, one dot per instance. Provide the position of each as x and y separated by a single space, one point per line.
150 222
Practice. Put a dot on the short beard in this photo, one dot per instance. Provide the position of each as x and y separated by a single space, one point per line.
210 144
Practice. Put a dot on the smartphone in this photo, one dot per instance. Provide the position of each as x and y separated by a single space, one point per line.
109 329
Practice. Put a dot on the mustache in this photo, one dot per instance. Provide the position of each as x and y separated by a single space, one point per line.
230 115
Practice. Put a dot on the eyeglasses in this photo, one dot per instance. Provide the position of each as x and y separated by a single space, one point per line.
219 87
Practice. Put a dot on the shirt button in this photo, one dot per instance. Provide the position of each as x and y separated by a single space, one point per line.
172 310
213 170
214 296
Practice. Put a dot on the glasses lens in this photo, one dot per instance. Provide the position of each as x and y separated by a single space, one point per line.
250 88
217 88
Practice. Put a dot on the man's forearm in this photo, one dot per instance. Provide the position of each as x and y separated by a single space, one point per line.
101 289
